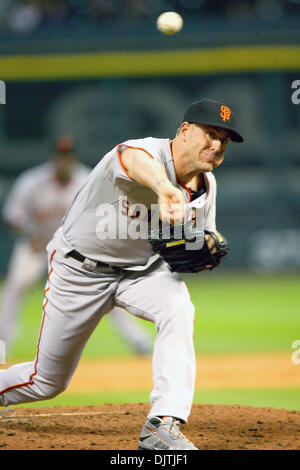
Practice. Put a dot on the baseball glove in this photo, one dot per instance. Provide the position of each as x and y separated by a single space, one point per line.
188 253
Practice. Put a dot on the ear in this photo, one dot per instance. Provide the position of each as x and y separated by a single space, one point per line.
184 129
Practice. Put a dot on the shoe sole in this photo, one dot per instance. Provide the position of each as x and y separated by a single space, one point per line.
141 447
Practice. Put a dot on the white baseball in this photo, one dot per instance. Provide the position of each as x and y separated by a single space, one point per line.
169 22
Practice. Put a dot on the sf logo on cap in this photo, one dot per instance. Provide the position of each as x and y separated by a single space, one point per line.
225 113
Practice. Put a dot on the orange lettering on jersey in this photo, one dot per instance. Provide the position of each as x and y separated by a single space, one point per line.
225 113
134 211
124 207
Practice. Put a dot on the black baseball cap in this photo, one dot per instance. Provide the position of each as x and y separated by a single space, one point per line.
213 113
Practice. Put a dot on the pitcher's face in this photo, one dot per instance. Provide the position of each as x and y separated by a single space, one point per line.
205 145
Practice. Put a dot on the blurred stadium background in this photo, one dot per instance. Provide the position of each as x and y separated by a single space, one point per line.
99 70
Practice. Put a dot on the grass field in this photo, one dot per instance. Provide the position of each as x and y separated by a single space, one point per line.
235 313
282 398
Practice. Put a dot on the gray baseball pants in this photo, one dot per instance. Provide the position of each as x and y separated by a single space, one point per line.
77 299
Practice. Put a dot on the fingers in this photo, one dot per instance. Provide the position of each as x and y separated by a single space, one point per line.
172 206
173 213
210 243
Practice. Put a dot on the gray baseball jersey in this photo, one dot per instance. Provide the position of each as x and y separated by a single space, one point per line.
85 227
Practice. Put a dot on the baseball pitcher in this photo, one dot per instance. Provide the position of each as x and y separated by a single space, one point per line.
145 214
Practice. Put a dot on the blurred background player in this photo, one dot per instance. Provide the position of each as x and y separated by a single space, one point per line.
34 209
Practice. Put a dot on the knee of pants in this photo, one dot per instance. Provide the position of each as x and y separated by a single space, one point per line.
47 390
179 311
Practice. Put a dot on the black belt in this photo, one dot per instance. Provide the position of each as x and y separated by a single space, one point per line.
79 257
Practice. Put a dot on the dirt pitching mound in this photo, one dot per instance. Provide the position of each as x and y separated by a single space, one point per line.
117 427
